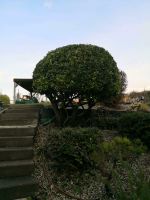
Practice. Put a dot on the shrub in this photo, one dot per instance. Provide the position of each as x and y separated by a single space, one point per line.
122 147
94 118
144 107
119 148
5 99
81 162
130 183
69 149
114 159
136 125
108 123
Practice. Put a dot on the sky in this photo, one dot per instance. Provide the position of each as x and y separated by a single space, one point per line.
31 28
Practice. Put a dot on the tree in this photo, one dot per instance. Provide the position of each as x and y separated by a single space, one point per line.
86 72
5 99
123 81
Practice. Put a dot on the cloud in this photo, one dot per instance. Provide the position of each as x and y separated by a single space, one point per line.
48 4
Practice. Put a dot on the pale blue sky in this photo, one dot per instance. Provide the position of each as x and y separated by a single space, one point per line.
31 28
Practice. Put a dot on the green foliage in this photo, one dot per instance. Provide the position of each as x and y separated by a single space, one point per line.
119 148
123 78
144 107
136 125
122 146
133 186
78 70
107 123
94 118
69 149
123 81
90 165
86 72
5 99
121 181
80 149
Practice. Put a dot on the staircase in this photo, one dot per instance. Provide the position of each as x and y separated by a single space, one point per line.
17 129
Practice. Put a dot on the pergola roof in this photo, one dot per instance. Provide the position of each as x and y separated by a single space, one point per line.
25 83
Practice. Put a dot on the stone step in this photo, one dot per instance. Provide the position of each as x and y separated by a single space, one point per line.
24 141
19 116
16 153
16 168
19 187
9 131
17 129
11 122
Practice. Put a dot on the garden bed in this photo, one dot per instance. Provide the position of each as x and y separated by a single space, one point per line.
107 167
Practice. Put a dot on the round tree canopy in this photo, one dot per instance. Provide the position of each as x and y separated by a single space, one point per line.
84 71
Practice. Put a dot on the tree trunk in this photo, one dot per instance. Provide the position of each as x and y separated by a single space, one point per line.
56 110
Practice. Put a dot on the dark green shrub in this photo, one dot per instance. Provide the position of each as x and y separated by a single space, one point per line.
136 125
93 118
108 123
69 149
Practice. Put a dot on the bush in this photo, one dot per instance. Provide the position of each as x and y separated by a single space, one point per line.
122 147
108 123
130 184
5 99
119 148
87 164
144 107
136 125
115 159
93 118
69 149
